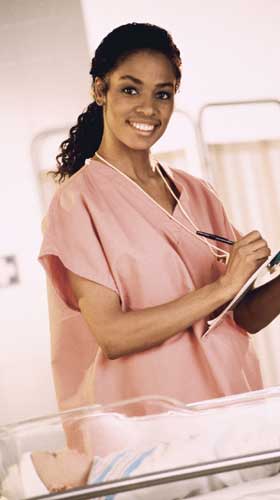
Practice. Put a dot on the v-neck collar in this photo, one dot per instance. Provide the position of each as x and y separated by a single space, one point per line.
166 169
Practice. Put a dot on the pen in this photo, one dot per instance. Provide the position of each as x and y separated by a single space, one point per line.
215 237
275 260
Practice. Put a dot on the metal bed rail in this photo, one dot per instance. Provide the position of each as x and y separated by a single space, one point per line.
201 142
167 476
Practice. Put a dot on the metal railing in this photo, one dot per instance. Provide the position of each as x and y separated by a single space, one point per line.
167 476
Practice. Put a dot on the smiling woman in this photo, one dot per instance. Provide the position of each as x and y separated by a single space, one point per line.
131 285
140 100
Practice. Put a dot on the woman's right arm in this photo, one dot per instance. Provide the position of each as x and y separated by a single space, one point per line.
121 333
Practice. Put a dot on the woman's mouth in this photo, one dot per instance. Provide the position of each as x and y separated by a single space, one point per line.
143 128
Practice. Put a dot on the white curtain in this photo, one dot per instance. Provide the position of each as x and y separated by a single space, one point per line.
247 179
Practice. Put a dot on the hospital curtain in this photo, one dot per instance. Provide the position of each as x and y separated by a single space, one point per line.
246 176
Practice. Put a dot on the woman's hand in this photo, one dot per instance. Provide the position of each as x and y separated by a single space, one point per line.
246 256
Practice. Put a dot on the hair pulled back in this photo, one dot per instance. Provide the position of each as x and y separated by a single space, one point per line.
85 137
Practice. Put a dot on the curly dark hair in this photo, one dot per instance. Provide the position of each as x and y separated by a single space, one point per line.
85 137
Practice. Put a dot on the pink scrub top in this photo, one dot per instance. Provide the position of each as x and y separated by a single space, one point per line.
104 228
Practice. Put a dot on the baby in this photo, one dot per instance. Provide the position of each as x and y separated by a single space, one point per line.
68 469
62 470
147 445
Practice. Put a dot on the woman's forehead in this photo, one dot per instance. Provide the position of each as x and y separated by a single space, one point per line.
145 66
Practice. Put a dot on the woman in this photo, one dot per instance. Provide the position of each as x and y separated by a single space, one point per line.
131 284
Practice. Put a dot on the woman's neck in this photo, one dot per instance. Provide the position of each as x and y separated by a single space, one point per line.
135 164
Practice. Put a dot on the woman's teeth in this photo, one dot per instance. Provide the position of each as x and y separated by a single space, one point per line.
143 127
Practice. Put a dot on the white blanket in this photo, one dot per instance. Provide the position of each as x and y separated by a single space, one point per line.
228 440
23 481
261 489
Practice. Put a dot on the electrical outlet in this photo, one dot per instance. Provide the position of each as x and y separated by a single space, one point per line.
8 271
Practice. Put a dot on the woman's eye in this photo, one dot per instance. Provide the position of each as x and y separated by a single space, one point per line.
164 95
129 91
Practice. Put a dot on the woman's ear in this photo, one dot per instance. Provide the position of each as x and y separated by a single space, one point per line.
99 91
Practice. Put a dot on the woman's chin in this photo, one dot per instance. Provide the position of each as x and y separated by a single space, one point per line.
141 143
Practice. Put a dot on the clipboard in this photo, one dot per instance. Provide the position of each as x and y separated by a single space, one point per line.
267 272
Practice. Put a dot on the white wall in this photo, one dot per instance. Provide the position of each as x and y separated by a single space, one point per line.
44 65
230 50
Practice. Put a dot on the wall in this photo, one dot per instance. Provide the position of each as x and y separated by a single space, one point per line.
229 48
44 65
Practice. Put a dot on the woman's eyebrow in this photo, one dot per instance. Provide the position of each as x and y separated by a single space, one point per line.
139 82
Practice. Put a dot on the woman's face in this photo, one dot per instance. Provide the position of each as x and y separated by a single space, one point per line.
139 101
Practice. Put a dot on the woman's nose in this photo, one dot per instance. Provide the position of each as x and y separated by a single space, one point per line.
146 107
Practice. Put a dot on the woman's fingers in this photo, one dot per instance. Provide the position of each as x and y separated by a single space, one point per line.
257 249
249 238
246 255
252 245
261 253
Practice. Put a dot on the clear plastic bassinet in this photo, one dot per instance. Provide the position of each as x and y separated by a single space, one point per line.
147 448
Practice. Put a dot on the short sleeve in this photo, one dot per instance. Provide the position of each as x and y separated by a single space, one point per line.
70 241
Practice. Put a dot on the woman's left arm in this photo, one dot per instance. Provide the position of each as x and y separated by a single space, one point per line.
259 307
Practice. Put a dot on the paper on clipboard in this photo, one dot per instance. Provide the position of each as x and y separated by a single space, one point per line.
268 271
